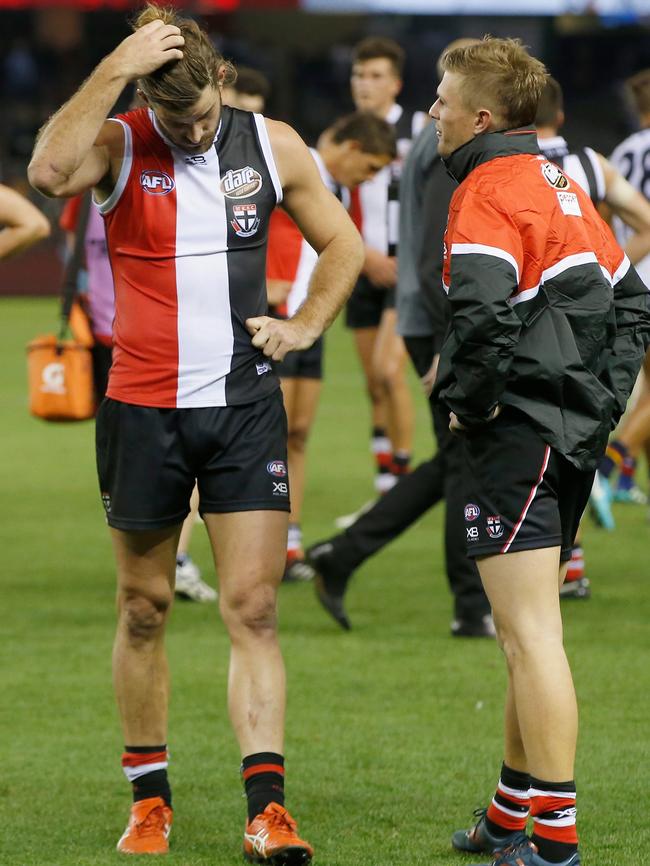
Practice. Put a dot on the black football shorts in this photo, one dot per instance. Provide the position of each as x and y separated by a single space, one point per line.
305 364
148 460
520 494
366 304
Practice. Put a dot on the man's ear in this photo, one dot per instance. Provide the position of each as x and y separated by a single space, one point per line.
483 121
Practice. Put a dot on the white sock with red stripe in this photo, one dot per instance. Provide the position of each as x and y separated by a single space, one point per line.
508 811
146 768
553 808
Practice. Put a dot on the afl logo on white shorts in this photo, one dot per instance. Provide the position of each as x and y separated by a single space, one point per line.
156 182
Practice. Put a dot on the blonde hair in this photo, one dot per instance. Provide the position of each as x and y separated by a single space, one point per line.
178 84
638 91
501 75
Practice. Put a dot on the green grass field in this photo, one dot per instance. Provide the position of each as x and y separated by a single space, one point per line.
393 732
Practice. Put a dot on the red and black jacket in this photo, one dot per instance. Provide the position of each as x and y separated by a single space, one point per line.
548 315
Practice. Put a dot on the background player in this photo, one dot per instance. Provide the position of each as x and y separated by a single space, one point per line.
21 223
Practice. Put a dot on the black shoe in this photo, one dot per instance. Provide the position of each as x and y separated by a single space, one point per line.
330 582
483 627
478 838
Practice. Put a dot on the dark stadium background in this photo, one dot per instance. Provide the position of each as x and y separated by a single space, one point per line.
47 49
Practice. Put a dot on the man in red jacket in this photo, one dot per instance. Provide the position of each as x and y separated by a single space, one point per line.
549 327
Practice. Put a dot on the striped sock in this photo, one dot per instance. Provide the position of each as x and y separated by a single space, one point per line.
508 811
381 450
553 807
626 478
615 454
263 775
146 768
576 569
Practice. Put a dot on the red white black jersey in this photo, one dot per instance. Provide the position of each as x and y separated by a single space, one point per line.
187 239
376 221
582 165
290 257
632 159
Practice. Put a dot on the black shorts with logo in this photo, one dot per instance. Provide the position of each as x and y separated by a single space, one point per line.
520 493
305 364
148 460
366 304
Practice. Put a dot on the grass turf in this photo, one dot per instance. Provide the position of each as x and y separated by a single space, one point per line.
393 732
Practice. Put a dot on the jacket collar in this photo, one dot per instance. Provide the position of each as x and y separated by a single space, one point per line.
489 145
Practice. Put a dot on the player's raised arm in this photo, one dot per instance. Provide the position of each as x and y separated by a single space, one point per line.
77 148
327 227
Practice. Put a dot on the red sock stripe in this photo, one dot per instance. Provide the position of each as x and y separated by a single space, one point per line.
139 759
554 817
263 768
503 819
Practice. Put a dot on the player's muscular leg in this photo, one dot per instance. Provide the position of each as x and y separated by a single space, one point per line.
146 563
523 590
301 411
389 370
249 549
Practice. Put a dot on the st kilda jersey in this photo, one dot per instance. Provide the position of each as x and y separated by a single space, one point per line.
187 239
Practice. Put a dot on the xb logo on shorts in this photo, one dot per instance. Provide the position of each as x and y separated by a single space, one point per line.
494 526
471 512
156 182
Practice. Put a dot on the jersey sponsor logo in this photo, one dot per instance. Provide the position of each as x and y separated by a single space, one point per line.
494 526
277 468
280 488
471 512
569 203
472 533
241 182
245 220
263 367
554 176
156 182
195 160
53 378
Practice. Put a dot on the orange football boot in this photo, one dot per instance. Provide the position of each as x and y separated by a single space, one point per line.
148 829
271 837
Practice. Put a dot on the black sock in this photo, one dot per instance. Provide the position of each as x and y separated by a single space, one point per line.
263 775
152 783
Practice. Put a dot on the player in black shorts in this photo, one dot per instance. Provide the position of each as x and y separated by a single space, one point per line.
549 326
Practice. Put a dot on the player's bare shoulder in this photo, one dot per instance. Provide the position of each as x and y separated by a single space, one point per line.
292 157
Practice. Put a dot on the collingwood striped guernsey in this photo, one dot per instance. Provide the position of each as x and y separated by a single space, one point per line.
187 239
632 158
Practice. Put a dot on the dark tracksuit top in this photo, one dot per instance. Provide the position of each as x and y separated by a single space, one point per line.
548 315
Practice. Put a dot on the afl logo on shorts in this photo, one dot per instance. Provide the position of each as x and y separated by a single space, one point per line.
277 468
156 182
241 183
553 176
471 512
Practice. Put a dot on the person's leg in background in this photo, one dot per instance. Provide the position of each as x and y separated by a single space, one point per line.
190 586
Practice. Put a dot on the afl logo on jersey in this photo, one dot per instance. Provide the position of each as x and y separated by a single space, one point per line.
241 183
553 176
156 182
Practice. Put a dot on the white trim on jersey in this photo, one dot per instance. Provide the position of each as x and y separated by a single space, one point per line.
601 189
125 170
621 270
558 268
205 332
267 150
483 250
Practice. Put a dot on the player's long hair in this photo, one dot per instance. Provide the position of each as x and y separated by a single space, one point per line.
178 84
501 75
